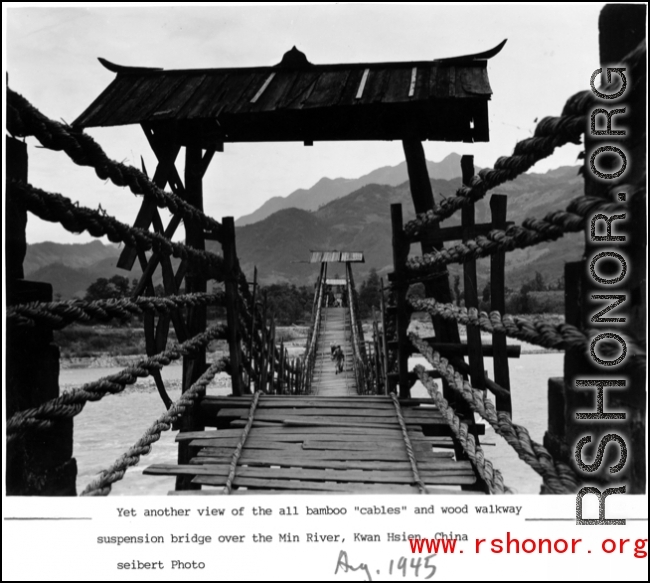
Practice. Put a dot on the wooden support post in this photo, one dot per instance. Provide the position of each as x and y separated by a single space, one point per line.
400 254
476 365
251 341
195 281
39 462
498 208
384 338
231 269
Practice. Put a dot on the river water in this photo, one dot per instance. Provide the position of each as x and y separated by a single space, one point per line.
105 429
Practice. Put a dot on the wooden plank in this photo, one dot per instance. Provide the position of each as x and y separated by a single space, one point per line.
328 89
297 433
371 414
305 455
315 486
401 85
180 97
273 430
231 443
201 102
439 464
363 445
362 84
332 440
432 490
299 91
377 477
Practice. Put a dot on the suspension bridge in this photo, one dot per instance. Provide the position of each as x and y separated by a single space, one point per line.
291 424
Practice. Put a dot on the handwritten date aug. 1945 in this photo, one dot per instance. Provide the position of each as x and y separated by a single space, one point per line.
416 567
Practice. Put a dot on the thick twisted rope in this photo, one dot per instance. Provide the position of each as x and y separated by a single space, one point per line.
491 476
57 315
71 403
77 219
558 477
25 120
101 486
227 488
538 331
550 133
409 446
535 331
532 231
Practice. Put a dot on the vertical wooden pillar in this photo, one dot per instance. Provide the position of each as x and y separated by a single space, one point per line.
400 254
231 268
498 207
384 338
474 346
39 461
195 281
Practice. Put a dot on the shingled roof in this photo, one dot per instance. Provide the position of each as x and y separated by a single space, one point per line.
296 100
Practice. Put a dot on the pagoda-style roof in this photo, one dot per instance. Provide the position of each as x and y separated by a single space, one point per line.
295 100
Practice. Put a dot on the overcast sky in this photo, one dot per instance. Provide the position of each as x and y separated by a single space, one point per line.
51 58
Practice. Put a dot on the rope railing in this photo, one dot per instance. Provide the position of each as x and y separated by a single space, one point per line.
491 476
232 472
57 315
23 119
550 133
558 477
101 486
54 207
71 403
532 231
312 341
410 453
358 360
539 331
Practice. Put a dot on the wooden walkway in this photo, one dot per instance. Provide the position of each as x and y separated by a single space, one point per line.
316 444
326 382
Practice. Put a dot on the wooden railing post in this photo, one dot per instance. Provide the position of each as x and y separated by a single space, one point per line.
39 461
231 269
400 255
498 208
475 349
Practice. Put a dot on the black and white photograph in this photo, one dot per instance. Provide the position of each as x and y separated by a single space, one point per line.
352 252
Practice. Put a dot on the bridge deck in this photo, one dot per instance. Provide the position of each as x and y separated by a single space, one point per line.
325 381
316 444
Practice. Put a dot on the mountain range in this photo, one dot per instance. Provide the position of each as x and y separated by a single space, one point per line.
329 189
279 244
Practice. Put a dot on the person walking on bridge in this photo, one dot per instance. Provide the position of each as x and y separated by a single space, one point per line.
339 357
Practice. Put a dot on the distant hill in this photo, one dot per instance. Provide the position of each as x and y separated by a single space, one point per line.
329 189
360 221
279 245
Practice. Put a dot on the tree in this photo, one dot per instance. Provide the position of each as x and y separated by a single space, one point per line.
105 289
